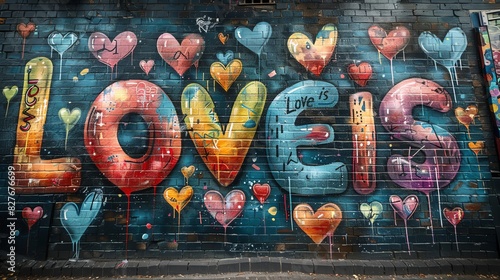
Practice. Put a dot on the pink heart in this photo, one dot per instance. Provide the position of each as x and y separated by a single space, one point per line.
180 56
261 191
224 209
389 44
32 216
454 216
111 52
405 208
146 66
25 29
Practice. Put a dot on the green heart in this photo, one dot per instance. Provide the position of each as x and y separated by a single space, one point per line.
10 92
70 118
371 211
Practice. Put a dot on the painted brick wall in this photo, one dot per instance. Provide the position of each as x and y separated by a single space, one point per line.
207 129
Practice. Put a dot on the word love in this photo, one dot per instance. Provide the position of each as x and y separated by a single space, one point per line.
304 102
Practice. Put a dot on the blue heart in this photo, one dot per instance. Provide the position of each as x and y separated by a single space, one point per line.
446 52
61 43
256 39
75 220
224 58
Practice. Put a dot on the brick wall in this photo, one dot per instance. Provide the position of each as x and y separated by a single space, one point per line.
207 129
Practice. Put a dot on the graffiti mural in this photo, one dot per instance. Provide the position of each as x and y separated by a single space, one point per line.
235 136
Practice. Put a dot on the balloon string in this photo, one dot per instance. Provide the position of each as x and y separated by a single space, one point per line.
407 239
290 195
439 195
456 238
392 72
60 68
430 217
7 109
126 230
452 84
24 43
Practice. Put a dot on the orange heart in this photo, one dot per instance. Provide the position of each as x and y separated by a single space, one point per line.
320 224
226 75
25 29
223 38
466 116
178 200
476 147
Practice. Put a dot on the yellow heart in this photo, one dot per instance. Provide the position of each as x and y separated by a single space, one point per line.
371 211
188 171
223 148
476 147
320 224
178 200
10 92
70 118
226 75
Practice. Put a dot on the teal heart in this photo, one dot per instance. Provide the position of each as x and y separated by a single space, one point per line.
224 58
61 43
254 39
76 220
446 52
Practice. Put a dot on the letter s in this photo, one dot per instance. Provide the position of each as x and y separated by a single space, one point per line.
442 154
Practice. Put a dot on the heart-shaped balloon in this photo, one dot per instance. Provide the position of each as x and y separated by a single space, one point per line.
61 43
180 56
10 92
178 200
223 148
314 56
25 29
188 171
454 216
32 216
76 220
405 208
389 44
70 118
446 52
261 191
226 75
223 38
361 73
111 52
224 209
466 116
254 39
320 224
371 211
224 58
476 147
146 66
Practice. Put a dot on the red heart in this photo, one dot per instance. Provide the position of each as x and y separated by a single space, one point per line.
454 216
111 52
32 216
180 56
261 191
360 74
224 209
389 44
320 224
405 208
146 66
25 29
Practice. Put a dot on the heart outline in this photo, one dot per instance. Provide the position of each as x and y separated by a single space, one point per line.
110 53
146 66
446 52
404 208
58 42
255 39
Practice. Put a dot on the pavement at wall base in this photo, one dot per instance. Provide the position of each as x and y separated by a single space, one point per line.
258 268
